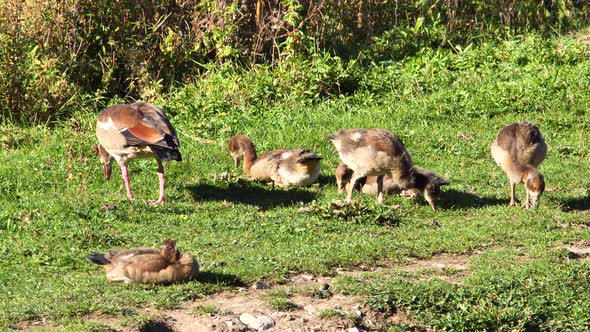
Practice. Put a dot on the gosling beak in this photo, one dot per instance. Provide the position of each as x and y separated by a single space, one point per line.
431 200
432 205
534 200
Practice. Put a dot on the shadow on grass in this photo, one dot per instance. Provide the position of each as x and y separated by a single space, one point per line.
576 204
247 193
326 180
219 278
454 199
155 326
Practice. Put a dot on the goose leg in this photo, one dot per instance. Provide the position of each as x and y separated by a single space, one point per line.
512 194
353 181
340 186
379 189
161 180
125 176
526 203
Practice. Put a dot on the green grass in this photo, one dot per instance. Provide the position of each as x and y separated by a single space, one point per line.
278 299
332 313
446 107
146 322
280 304
207 309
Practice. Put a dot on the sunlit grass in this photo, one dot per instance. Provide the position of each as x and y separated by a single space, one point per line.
57 208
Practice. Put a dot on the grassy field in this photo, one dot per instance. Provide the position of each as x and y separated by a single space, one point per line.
446 106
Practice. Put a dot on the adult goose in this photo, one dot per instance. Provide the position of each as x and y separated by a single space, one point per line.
138 130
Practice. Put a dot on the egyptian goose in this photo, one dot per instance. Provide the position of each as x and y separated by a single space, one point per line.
343 175
379 153
296 167
148 265
425 182
518 149
137 130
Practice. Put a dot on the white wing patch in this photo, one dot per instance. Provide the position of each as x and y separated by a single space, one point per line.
286 154
356 136
109 125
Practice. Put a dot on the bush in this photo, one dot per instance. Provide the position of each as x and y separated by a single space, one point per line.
32 88
55 51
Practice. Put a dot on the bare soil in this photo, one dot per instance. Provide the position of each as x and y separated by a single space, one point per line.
579 250
307 317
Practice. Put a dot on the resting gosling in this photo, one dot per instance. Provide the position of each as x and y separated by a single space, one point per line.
426 182
137 130
296 167
378 152
148 265
519 149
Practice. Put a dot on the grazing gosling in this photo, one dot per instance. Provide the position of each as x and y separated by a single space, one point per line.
519 149
379 153
343 175
296 167
137 130
426 183
148 265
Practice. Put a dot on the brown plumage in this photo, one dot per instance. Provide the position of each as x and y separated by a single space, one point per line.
424 182
519 149
295 167
343 175
378 153
148 265
137 130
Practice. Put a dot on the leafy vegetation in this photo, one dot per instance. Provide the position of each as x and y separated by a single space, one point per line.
446 103
279 300
440 81
207 309
281 304
335 313
61 56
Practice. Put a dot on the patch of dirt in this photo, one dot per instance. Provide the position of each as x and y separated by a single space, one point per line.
579 250
442 261
583 36
440 264
305 292
576 226
582 212
32 325
231 305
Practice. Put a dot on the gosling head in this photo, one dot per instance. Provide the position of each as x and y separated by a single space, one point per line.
432 191
169 250
429 184
233 145
534 183
343 176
